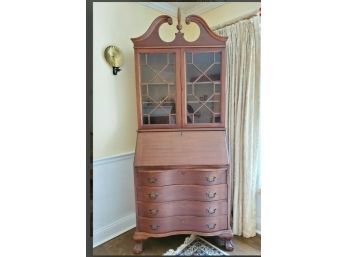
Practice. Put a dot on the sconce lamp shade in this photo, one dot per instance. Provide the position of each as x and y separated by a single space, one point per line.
114 57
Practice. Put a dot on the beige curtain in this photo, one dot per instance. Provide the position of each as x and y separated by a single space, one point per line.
243 91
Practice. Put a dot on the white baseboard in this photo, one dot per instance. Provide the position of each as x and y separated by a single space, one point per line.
114 229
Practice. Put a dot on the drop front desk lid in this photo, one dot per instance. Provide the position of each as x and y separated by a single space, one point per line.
181 148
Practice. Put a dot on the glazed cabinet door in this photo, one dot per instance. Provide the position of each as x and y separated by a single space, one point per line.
159 89
204 92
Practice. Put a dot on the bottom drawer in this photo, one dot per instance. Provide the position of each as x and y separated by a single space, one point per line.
182 223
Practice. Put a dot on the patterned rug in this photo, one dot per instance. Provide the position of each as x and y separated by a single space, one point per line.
196 246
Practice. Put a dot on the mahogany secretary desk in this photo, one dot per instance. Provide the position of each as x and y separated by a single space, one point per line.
181 164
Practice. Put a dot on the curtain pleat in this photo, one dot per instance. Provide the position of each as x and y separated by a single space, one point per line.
243 111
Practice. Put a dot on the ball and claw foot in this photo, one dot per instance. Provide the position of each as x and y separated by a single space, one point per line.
229 245
138 247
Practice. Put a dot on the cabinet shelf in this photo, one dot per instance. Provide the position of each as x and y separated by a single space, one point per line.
158 83
204 82
198 102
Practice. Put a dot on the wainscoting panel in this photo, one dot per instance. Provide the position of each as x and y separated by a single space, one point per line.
113 197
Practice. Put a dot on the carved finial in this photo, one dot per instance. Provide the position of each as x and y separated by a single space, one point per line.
179 26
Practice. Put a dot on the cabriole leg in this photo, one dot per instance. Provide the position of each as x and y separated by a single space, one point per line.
229 244
138 247
139 239
227 241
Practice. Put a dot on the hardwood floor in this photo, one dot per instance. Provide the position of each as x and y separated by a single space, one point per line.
123 245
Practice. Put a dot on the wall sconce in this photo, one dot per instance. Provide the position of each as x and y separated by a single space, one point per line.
114 57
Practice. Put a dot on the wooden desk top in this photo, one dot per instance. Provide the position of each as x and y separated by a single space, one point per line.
185 148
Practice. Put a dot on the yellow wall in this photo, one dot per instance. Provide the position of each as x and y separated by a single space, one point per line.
114 104
114 97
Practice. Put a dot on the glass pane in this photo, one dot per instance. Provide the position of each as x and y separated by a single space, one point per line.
158 79
168 74
189 118
161 111
157 61
217 88
144 90
216 97
204 115
217 118
192 99
204 78
158 92
214 72
171 58
190 109
146 74
193 107
148 107
203 90
146 99
218 57
188 57
146 119
159 120
203 60
203 87
172 93
192 73
158 89
214 107
172 119
189 89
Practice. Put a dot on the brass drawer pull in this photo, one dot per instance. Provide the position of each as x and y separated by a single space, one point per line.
211 194
153 211
211 178
154 227
152 180
211 210
210 226
153 195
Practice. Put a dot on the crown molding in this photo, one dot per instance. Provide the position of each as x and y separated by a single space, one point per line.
166 8
203 7
169 9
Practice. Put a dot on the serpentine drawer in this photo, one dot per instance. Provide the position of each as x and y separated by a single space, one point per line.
182 192
182 208
182 223
181 177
